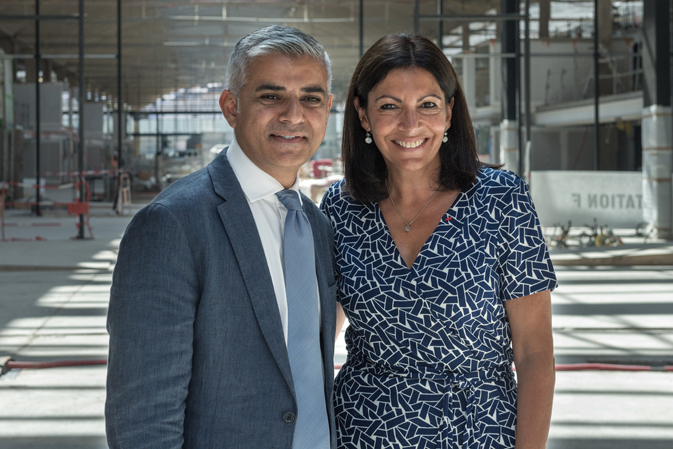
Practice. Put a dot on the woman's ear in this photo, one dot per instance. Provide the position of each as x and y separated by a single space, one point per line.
362 114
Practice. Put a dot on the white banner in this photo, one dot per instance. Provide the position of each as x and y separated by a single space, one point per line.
613 198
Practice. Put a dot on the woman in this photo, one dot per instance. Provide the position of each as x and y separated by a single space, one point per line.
444 275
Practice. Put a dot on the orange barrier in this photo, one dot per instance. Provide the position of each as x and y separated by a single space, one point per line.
77 207
598 367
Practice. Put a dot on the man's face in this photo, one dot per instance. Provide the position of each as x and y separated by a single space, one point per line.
281 114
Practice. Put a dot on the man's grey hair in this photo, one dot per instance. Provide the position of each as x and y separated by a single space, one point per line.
273 40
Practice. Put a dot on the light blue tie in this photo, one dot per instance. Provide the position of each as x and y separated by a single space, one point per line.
303 327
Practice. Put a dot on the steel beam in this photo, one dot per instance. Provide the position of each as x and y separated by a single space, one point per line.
82 96
119 84
597 123
38 211
656 53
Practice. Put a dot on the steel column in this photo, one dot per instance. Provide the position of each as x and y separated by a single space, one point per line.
362 27
524 164
37 107
657 126
440 31
509 127
597 128
119 84
80 156
417 16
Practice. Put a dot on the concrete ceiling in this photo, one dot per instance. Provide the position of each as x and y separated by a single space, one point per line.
167 45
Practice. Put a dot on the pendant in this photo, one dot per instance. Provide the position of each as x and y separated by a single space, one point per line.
408 228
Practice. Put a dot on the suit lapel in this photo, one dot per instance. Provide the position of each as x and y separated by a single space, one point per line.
239 224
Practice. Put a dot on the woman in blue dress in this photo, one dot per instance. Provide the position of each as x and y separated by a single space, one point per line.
444 275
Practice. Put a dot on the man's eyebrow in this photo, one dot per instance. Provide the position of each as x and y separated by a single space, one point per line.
269 86
313 90
276 88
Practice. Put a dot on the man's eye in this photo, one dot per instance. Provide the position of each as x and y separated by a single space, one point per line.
269 97
313 99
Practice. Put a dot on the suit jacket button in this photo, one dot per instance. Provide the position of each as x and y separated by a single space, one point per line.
289 418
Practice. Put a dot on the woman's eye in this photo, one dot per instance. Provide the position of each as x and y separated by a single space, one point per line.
429 105
388 106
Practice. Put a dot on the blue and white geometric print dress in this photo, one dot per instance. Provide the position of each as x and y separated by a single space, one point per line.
429 348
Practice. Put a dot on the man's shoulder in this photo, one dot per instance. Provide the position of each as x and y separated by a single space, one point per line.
310 207
187 193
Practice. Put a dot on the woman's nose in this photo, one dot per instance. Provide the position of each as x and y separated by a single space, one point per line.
410 120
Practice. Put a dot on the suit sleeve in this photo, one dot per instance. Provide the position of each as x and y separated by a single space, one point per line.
153 302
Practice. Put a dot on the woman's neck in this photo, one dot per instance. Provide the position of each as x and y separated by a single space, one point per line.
412 186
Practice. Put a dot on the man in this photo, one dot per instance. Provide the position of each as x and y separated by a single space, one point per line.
222 307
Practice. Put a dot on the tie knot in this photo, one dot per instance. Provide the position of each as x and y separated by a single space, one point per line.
290 199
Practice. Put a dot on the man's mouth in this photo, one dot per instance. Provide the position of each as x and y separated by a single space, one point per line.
287 137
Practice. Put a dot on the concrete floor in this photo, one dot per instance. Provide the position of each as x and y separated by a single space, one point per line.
53 299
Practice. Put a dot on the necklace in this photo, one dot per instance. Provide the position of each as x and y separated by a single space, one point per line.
408 223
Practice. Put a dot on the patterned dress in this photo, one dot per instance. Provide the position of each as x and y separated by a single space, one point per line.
429 348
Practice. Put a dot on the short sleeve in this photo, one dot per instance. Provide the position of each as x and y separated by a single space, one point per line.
523 260
326 204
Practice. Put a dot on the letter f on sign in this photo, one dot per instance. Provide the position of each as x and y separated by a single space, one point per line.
576 199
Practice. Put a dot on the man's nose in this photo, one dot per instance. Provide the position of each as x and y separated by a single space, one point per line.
292 111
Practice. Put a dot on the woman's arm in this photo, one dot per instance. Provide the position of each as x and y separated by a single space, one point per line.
532 341
341 318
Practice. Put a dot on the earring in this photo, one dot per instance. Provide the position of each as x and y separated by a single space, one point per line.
368 138
446 138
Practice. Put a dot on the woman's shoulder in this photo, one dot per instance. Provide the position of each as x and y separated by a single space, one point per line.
338 204
494 189
488 177
337 194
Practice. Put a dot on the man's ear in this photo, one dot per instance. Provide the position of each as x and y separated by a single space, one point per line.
362 114
229 107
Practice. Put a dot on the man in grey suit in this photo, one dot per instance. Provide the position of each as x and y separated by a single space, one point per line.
221 332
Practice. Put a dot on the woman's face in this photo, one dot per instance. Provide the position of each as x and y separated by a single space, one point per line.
407 116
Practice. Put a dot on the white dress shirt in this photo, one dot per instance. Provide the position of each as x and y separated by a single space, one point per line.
269 213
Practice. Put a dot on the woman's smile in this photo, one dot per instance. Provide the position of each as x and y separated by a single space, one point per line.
414 144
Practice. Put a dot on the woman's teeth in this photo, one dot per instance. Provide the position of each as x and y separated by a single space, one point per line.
409 144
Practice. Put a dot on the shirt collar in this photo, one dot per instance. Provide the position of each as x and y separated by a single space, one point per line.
255 182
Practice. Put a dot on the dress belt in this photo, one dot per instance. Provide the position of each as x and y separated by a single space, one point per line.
456 383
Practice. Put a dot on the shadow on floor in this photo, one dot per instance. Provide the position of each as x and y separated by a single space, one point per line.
590 443
64 442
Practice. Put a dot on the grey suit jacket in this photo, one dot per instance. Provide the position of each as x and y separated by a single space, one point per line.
197 354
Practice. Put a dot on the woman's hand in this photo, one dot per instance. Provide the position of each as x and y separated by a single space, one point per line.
532 341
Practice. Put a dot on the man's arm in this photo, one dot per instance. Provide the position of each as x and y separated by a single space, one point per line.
150 320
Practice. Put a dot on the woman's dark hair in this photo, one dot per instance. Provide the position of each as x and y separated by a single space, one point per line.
364 167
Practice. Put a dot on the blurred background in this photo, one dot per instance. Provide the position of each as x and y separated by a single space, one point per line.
104 103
